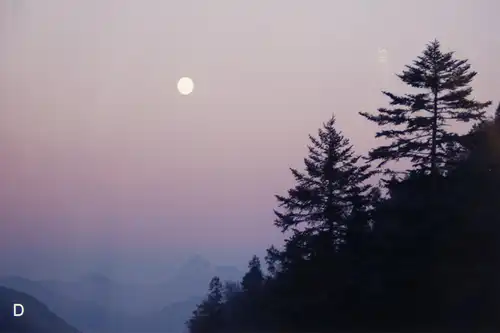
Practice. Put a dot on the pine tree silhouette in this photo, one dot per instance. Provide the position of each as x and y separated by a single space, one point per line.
208 316
254 278
330 189
417 123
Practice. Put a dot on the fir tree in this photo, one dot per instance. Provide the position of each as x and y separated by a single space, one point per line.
254 278
327 193
215 291
417 124
208 316
272 261
328 206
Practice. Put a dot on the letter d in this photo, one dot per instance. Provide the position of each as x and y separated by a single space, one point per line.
20 307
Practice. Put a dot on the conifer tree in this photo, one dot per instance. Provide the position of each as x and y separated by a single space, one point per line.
254 278
327 193
272 261
417 123
208 316
215 291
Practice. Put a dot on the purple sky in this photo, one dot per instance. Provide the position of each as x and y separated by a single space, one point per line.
102 159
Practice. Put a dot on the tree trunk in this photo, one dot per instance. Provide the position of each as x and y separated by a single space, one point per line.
434 170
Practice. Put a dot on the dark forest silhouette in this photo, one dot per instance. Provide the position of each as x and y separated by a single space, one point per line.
420 251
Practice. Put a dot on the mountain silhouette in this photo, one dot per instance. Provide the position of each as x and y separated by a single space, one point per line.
96 302
36 318
192 278
82 313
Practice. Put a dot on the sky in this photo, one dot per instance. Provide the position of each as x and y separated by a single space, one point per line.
105 166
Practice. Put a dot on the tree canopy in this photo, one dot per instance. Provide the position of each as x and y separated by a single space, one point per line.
417 124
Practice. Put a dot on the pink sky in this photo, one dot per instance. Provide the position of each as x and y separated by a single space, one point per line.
98 150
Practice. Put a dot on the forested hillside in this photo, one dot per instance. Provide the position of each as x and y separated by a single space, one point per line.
417 252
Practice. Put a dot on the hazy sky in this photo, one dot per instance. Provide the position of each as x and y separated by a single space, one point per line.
102 160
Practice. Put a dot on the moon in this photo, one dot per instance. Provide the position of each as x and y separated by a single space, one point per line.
185 85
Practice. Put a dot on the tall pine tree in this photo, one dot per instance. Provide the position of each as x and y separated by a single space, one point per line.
330 199
327 193
417 124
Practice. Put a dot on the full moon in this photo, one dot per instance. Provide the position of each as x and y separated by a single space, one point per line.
185 85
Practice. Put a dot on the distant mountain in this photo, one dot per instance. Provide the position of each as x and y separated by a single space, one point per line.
96 289
230 273
193 277
37 318
95 302
171 318
194 266
83 314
